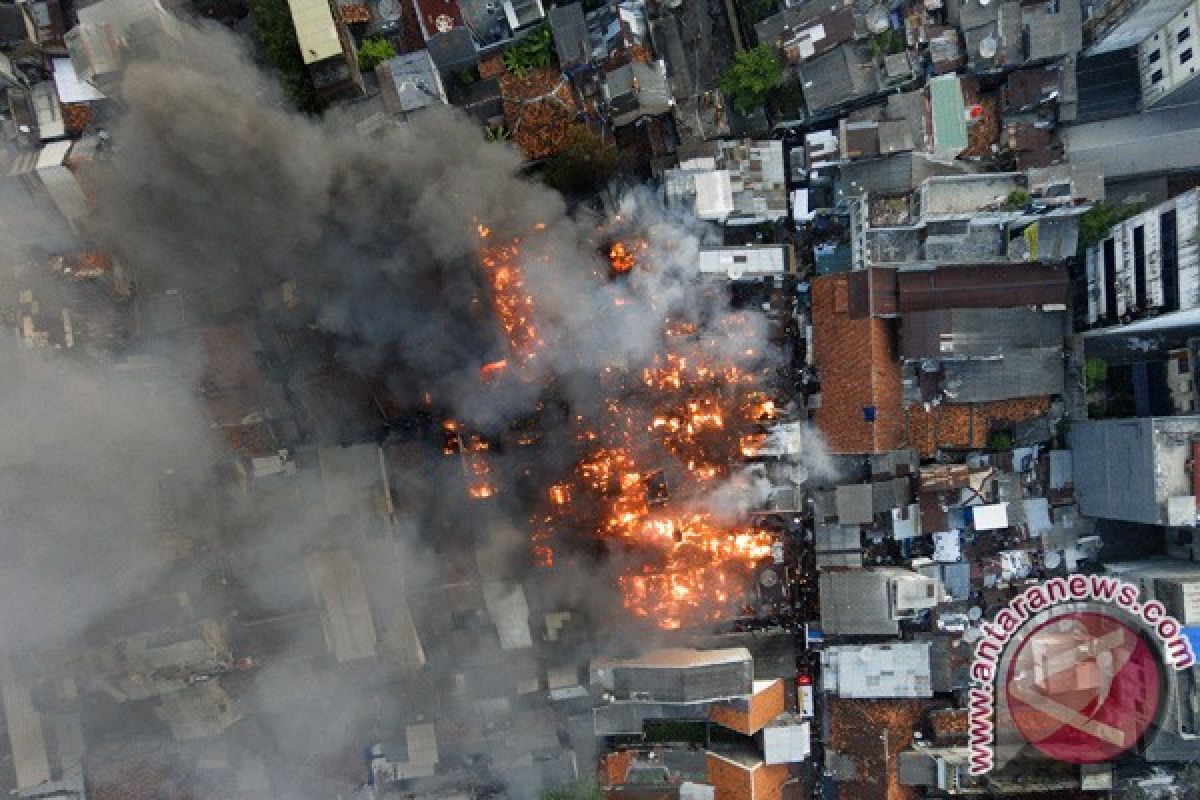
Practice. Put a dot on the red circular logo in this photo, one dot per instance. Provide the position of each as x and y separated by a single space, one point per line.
1083 687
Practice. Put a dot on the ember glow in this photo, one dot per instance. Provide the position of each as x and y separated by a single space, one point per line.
671 430
624 256
513 305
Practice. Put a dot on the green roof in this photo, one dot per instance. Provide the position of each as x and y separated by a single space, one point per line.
949 114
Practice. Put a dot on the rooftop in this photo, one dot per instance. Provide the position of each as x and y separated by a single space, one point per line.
316 30
410 82
860 408
967 425
955 195
571 38
877 671
871 734
843 74
438 16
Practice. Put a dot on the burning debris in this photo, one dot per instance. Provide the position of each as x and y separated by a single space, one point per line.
668 432
623 257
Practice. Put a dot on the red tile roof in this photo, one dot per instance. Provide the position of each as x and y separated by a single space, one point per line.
615 766
438 16
357 12
859 370
752 715
873 732
967 425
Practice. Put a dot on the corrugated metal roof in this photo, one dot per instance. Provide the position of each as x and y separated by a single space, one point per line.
979 332
992 286
571 38
855 603
315 30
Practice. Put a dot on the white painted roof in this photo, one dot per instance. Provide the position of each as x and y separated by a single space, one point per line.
877 671
315 30
70 88
714 194
991 517
737 262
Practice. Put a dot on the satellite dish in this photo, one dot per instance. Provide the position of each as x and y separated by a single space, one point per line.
768 578
877 20
1053 559
799 474
975 613
988 46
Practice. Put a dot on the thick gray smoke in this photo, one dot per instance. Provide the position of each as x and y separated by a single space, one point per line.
214 192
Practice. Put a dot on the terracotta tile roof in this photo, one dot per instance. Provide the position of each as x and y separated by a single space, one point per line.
76 117
873 732
357 12
615 766
539 108
985 132
751 716
967 425
734 780
949 724
859 371
492 67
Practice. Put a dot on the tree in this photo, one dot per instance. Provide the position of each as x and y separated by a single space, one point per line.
373 52
277 35
580 790
754 73
1016 200
1095 222
584 163
533 52
1095 370
497 133
887 43
1000 440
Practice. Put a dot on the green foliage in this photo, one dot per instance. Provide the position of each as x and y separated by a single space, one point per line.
1094 372
1016 200
584 164
1000 440
277 35
580 790
497 133
753 75
373 52
887 42
1095 222
533 52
